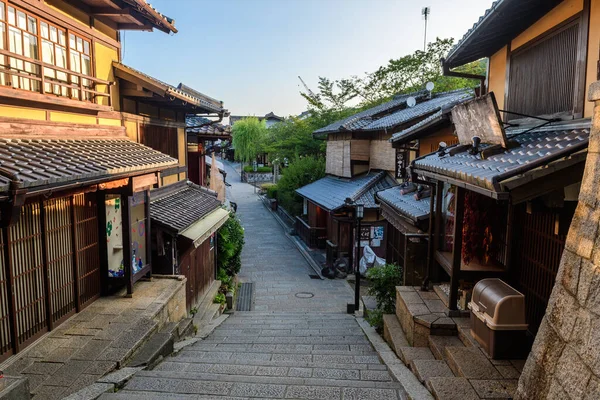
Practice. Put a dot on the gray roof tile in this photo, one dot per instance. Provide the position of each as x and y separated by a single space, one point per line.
331 192
394 113
405 204
41 162
535 148
180 205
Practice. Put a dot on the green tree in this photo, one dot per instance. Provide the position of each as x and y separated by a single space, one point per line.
300 172
406 74
247 138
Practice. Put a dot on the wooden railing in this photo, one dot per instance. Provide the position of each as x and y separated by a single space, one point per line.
313 237
80 91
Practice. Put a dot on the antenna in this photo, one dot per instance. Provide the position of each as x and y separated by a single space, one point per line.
425 11
411 102
310 92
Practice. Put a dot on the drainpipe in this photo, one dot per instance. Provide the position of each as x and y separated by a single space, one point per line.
11 210
481 78
432 186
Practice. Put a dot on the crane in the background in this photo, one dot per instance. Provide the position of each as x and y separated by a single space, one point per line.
310 92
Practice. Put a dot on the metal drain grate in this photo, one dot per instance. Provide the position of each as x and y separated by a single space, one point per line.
245 296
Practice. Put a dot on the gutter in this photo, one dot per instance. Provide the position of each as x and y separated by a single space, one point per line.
11 210
447 72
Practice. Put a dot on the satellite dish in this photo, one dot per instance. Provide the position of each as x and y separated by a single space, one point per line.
429 86
411 102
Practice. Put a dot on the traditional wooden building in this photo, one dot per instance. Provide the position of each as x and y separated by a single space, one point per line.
369 153
505 207
203 135
74 200
186 218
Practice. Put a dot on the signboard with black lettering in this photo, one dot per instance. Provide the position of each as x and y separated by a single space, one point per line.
401 163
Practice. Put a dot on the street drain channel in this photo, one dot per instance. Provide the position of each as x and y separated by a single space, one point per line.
305 295
314 276
245 295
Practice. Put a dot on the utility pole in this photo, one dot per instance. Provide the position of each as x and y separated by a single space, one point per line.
425 13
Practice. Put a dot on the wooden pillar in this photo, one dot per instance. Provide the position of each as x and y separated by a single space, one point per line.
45 266
75 255
148 230
457 247
12 310
102 245
127 243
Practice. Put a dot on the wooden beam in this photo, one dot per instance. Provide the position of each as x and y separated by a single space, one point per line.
110 12
136 93
135 27
459 210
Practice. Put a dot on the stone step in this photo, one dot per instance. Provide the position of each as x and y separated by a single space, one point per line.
448 388
292 324
393 333
470 363
441 294
464 334
159 345
323 316
289 339
333 379
201 347
408 354
285 347
426 369
438 345
273 356
181 359
369 305
349 372
256 333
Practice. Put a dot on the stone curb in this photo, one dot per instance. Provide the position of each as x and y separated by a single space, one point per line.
414 389
315 267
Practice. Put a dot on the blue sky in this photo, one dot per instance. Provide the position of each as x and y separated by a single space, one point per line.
249 53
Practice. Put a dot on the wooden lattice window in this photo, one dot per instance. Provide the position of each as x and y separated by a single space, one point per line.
543 74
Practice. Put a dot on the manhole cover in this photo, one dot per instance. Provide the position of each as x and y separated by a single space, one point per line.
304 295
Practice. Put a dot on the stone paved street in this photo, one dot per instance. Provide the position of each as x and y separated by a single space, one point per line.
289 347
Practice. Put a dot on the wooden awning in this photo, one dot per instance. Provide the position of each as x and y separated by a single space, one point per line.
129 15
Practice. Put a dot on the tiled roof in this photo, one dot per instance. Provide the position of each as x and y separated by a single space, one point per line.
406 204
443 101
180 205
390 115
41 162
346 123
193 97
409 133
503 21
331 192
194 121
169 23
534 149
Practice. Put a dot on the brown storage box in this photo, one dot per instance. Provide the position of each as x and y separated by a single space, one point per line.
498 319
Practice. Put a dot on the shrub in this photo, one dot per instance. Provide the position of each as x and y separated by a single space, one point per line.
300 172
229 246
227 282
272 192
375 319
383 282
220 299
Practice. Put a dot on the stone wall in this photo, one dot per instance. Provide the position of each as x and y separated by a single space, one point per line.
257 177
564 362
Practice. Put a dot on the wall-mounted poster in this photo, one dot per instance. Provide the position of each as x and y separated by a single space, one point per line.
114 236
376 236
401 163
365 233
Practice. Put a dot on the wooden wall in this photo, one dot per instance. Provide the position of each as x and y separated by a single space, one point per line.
338 158
382 155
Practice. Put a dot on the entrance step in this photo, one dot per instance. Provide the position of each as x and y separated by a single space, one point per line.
452 389
471 363
158 346
427 369
207 301
438 345
393 334
422 314
408 354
